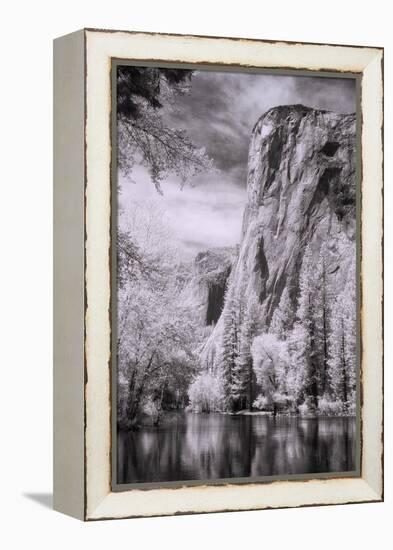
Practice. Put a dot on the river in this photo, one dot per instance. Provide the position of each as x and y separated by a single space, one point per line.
188 446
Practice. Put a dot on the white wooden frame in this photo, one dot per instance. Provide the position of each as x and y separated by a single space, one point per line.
82 442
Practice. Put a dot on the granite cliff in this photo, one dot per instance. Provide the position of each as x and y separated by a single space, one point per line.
301 196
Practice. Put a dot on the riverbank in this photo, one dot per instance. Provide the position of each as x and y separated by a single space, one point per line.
171 416
286 414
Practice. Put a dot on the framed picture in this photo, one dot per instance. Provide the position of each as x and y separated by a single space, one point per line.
218 274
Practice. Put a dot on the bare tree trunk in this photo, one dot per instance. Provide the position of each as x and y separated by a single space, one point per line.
159 408
135 404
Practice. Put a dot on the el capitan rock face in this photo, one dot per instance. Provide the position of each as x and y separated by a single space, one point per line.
301 193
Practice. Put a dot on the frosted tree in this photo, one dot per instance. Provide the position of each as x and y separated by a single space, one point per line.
143 94
270 362
313 327
283 316
156 334
321 313
349 315
206 393
230 350
306 349
338 368
342 361
297 349
244 375
282 326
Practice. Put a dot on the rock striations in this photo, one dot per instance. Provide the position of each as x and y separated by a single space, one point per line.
301 195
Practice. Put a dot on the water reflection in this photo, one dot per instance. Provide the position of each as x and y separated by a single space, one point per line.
211 446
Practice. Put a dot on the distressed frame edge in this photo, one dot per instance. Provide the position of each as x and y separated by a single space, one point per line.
232 38
375 488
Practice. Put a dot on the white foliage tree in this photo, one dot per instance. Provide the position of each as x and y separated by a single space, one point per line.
270 360
156 334
206 393
244 362
230 349
342 362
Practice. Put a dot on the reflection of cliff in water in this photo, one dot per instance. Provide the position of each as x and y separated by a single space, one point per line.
213 446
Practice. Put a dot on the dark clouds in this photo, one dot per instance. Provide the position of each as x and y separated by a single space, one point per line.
331 94
219 114
222 108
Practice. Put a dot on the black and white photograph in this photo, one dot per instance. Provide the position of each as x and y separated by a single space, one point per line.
198 277
235 274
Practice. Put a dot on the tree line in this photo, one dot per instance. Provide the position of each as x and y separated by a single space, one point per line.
305 362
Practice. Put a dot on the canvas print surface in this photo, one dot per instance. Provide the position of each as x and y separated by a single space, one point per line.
235 275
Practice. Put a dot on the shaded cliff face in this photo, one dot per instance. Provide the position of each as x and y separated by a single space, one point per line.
301 192
301 189
205 291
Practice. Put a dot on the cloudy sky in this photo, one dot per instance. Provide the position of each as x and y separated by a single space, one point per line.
219 114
